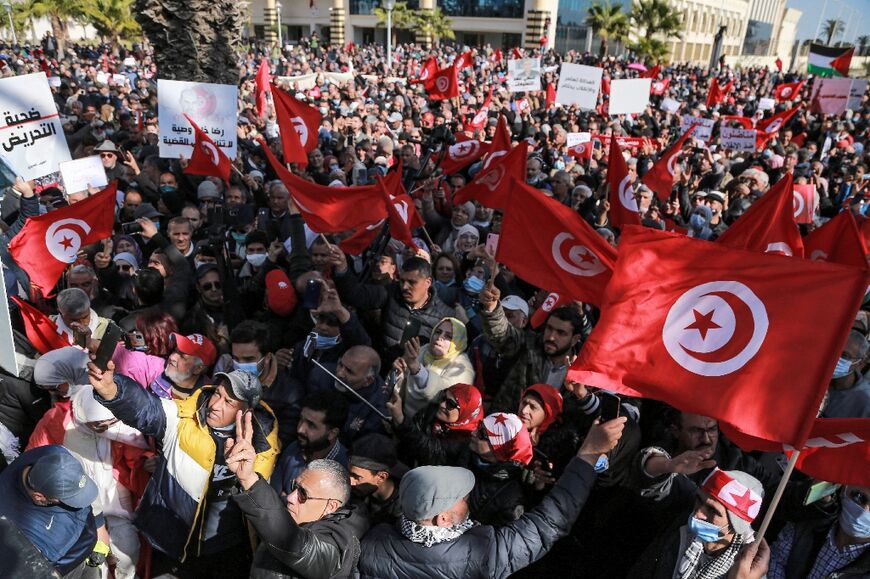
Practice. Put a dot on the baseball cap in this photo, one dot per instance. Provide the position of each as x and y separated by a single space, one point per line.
207 190
716 196
146 210
244 386
194 345
515 303
281 296
59 475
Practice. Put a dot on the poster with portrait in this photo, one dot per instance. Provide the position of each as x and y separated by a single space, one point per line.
524 74
211 106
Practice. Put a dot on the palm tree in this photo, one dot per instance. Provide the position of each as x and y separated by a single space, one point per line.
402 18
863 41
608 22
832 28
650 49
433 23
194 40
112 19
657 23
59 13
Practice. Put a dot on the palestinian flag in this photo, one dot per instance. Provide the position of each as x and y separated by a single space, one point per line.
827 61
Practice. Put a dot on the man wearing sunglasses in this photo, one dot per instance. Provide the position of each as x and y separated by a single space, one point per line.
315 534
835 545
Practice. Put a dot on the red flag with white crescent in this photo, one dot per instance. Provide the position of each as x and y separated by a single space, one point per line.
207 158
838 241
40 330
491 185
462 154
660 178
480 118
787 91
298 124
623 205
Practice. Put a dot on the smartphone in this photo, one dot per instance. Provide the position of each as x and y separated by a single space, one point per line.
311 299
110 340
131 227
820 490
492 243
609 405
412 330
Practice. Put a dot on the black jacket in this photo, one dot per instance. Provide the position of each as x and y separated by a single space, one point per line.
328 548
809 536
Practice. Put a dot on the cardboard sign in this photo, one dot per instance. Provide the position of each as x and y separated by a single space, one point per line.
766 104
524 75
669 105
737 139
629 95
80 174
577 138
830 96
856 93
211 106
704 132
579 85
31 135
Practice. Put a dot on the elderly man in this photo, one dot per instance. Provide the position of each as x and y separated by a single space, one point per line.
849 391
275 220
360 369
186 513
315 535
435 534
76 321
85 278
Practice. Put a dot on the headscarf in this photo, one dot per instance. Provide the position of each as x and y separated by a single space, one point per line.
137 251
551 401
509 438
470 409
62 366
457 345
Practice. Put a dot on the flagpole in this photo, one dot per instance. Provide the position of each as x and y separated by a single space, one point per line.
428 237
326 241
786 475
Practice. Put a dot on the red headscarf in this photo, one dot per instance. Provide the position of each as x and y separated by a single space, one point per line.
470 409
508 437
551 402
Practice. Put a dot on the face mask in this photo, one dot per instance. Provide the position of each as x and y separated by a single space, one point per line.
249 367
326 342
256 259
842 368
473 284
854 519
239 238
167 189
333 167
706 532
559 165
697 222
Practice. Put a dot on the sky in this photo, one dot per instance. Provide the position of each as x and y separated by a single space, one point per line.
849 11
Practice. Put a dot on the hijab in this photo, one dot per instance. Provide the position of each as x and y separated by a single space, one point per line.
457 345
470 409
62 366
551 402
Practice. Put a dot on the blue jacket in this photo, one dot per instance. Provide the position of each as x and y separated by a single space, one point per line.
66 536
291 463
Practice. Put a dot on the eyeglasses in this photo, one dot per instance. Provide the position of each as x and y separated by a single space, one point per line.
207 287
859 498
103 155
303 494
451 404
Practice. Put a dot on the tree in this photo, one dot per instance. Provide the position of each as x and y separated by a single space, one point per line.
650 49
194 40
831 29
112 19
863 41
402 17
608 22
433 23
58 12
656 23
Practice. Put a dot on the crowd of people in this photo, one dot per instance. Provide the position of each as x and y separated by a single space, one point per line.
285 405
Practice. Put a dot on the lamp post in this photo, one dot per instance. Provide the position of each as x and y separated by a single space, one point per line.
388 6
8 6
280 35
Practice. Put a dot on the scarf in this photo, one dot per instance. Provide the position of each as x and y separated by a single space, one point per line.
470 411
715 568
429 535
457 345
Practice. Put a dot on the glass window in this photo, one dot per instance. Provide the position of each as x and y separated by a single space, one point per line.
365 7
483 8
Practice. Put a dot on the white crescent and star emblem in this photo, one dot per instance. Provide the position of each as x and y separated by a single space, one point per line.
480 116
780 247
442 83
715 328
743 498
581 260
211 151
626 194
492 178
550 302
773 126
671 161
818 255
786 92
464 149
63 241
401 207
301 129
799 203
492 157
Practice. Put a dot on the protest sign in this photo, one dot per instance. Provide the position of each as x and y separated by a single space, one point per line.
629 95
669 105
119 79
7 343
524 75
54 81
211 106
577 138
705 126
856 93
31 134
737 139
80 174
103 77
830 96
579 85
766 104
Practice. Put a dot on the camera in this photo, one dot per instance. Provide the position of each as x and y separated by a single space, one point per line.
131 227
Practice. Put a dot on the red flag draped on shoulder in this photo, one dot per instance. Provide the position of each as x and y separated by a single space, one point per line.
491 186
263 82
661 177
40 330
623 205
298 124
768 225
207 158
721 332
564 254
47 244
444 84
838 241
787 91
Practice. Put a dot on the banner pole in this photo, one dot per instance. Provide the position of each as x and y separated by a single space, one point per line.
786 475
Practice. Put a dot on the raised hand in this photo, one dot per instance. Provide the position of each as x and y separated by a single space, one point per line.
601 439
690 462
239 452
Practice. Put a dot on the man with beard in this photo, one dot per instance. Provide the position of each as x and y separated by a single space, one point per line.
186 367
320 422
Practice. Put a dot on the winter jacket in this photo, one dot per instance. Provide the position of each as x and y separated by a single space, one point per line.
174 500
22 404
808 537
28 207
324 549
482 551
420 390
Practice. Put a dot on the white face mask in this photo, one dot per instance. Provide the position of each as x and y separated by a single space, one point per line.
256 259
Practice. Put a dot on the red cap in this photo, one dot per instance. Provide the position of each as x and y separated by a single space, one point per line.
195 345
281 296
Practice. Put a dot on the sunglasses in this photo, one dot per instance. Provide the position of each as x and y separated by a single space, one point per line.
211 285
303 495
108 155
451 404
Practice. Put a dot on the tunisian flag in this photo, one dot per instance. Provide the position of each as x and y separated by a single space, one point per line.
623 205
491 186
768 127
401 213
40 330
838 241
721 332
787 91
501 142
262 80
207 158
479 119
48 243
564 253
661 177
768 225
659 87
427 71
804 202
462 154
298 124
444 84
717 94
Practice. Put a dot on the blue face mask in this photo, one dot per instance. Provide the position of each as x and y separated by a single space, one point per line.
326 342
239 238
842 368
559 164
706 532
697 222
854 519
473 284
167 189
249 367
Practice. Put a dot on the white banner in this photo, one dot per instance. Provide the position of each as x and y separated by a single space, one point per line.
705 127
577 138
211 106
579 85
80 174
766 104
629 95
856 93
524 75
669 105
737 139
31 135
